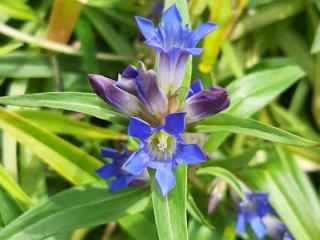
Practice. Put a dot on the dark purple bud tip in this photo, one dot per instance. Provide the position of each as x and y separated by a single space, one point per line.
206 102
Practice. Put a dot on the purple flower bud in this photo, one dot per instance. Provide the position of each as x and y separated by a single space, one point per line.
136 93
206 102
108 90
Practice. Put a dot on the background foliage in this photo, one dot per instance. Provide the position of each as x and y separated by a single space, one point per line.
265 52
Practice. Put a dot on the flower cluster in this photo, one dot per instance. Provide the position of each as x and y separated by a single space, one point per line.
157 118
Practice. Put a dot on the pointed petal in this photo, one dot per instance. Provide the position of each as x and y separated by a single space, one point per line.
175 123
241 224
120 183
109 92
165 178
139 128
146 27
110 153
258 227
200 32
172 18
130 72
195 87
190 153
206 103
137 162
106 171
150 93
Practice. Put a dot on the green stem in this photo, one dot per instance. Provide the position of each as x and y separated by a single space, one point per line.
53 46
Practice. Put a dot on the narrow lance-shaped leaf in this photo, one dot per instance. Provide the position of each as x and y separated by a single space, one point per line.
61 124
75 208
170 211
233 124
69 161
253 92
13 188
81 102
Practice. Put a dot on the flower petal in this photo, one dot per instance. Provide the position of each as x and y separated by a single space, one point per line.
110 153
146 27
106 89
258 227
241 224
150 93
200 32
195 87
175 123
127 80
139 128
120 183
206 103
165 178
190 153
137 162
171 18
106 171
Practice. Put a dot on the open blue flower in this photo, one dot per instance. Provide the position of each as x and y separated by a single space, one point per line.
136 93
162 149
122 178
173 42
201 103
252 211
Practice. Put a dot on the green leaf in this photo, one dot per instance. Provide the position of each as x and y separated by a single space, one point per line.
253 92
9 208
196 213
80 102
69 161
13 188
60 124
17 9
108 33
170 211
246 126
9 48
139 226
224 175
74 208
88 47
291 193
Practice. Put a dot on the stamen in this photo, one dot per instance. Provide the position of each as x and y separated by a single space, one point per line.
162 145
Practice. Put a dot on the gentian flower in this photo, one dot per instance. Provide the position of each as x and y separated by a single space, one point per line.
122 178
162 149
276 229
202 103
174 42
136 93
252 211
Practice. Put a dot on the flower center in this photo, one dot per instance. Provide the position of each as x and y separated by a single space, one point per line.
162 145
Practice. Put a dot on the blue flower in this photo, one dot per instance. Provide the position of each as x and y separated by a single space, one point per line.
136 93
162 149
173 42
122 178
202 103
252 211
